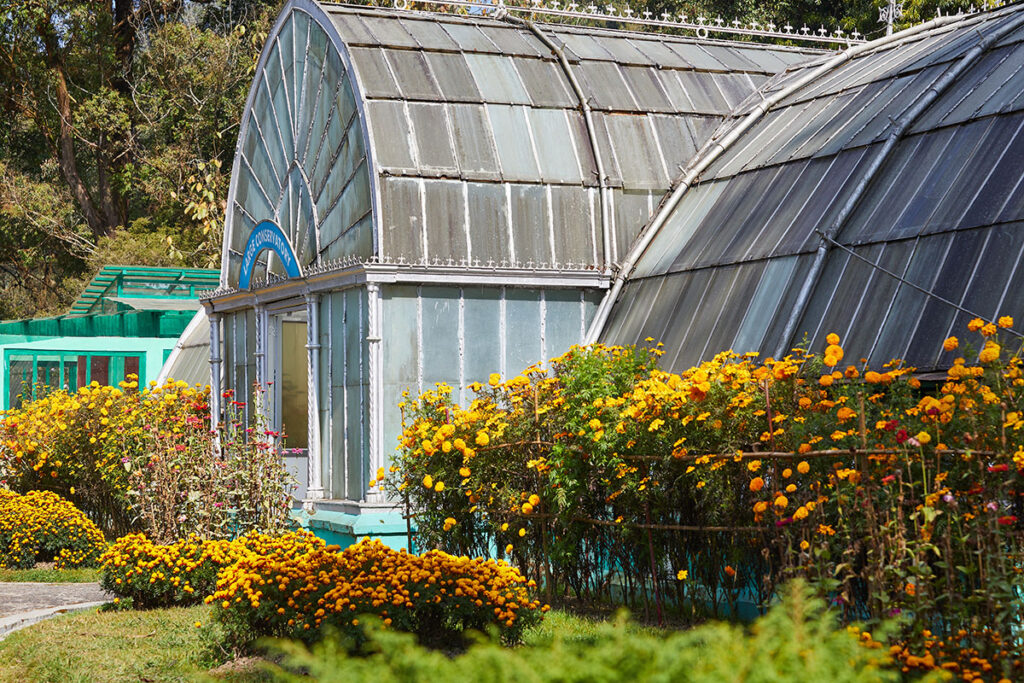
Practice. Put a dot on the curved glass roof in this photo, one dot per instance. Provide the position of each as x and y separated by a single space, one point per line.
301 157
942 214
417 137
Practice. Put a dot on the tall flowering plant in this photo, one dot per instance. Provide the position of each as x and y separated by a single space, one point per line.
606 476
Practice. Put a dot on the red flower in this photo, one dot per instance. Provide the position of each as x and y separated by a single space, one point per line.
902 436
998 468
1008 519
889 479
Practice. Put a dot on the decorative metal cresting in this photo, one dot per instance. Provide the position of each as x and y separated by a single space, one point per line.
701 26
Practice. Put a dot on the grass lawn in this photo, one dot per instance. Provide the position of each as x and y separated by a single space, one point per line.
51 575
157 646
154 645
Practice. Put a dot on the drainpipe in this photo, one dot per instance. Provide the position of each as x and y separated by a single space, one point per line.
588 120
716 147
900 126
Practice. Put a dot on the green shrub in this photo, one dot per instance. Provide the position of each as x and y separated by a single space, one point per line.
795 641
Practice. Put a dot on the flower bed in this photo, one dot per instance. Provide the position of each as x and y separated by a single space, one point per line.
708 487
147 460
436 596
183 573
41 525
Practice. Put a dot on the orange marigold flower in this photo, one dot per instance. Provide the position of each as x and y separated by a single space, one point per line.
428 481
730 571
760 506
951 344
832 339
975 324
464 472
803 467
1006 321
990 353
804 448
781 502
756 484
826 380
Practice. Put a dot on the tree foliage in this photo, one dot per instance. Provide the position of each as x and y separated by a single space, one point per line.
122 124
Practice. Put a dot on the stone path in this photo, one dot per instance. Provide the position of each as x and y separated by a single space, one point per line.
22 604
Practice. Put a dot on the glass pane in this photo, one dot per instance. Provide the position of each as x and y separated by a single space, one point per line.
294 384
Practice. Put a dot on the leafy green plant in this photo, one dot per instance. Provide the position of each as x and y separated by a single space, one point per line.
797 640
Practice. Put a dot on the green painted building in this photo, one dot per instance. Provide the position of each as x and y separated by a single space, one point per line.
127 321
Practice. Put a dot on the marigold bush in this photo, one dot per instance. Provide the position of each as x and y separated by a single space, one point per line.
147 460
435 595
42 526
612 478
185 572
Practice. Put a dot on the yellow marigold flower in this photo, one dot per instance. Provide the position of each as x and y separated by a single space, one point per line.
988 330
754 465
428 481
482 439
594 424
522 532
682 575
791 488
804 545
527 508
534 500
990 353
756 484
923 437
781 502
1006 321
494 380
803 467
800 513
508 549
464 472
832 339
951 344
439 486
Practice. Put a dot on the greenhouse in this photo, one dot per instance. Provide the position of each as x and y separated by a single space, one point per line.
125 323
875 194
421 198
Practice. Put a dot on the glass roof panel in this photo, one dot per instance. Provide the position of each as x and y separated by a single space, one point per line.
374 74
497 79
433 143
545 83
637 151
428 33
514 144
415 80
453 76
558 162
474 144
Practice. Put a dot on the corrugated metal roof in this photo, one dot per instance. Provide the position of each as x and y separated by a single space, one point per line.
943 211
415 114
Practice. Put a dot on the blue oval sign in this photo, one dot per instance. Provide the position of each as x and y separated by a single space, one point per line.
267 235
